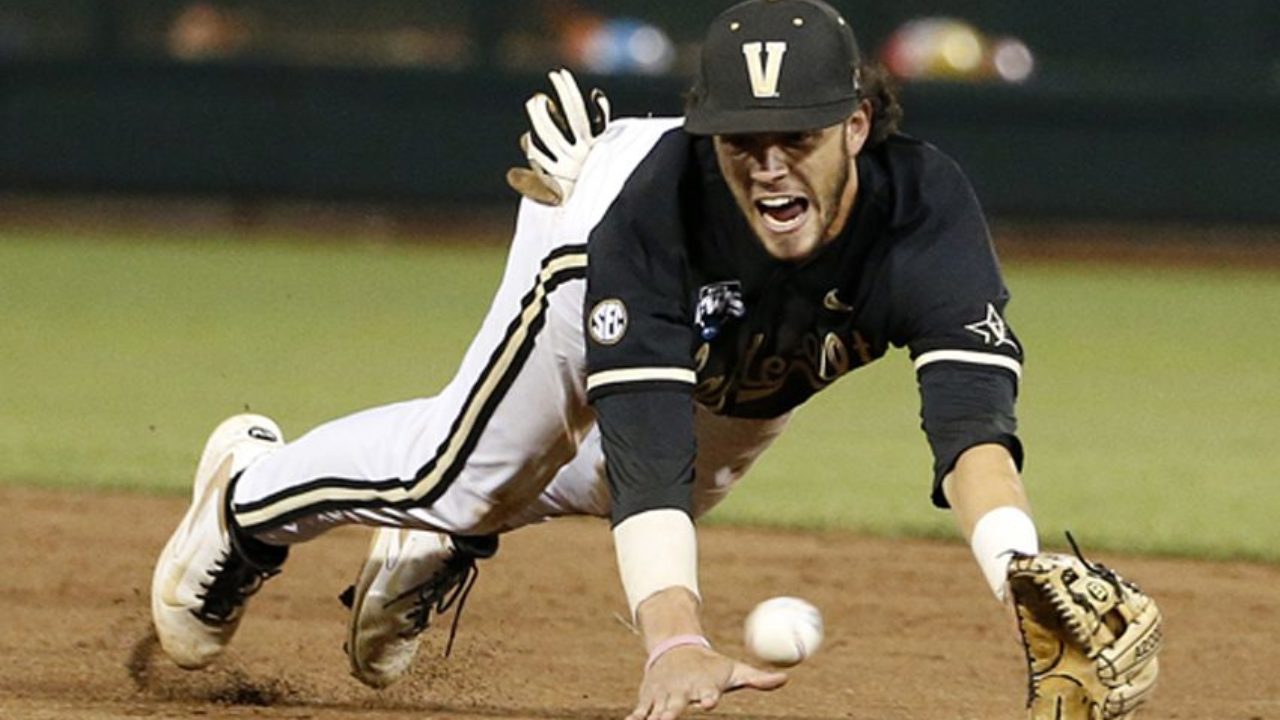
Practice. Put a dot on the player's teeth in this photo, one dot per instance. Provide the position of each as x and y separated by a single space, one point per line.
777 201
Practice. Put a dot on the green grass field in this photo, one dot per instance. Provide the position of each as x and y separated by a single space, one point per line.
1150 401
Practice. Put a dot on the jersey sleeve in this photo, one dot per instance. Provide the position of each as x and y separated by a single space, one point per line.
640 371
950 300
638 333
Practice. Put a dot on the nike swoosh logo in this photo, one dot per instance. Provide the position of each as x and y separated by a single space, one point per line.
212 493
831 301
263 434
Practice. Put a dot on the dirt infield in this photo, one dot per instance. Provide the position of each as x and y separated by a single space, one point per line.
912 633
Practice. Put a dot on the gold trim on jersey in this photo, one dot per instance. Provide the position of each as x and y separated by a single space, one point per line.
331 493
969 356
642 374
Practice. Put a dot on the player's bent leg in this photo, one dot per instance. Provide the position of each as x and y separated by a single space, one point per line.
483 448
407 577
727 449
388 615
389 608
207 570
448 468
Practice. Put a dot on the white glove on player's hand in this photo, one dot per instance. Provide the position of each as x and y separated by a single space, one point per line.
562 135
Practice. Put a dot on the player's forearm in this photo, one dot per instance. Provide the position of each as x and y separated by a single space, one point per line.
990 506
657 552
648 440
666 614
984 478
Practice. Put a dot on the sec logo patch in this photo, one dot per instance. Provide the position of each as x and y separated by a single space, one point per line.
608 321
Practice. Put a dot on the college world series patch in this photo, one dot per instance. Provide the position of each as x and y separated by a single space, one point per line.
608 321
718 303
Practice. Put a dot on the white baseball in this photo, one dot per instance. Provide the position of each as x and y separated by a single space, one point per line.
784 630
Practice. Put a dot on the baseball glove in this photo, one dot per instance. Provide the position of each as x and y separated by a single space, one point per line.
1090 637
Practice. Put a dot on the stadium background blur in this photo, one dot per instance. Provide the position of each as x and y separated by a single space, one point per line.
1141 109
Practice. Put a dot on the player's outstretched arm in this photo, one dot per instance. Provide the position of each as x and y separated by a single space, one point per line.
683 671
1090 637
563 129
657 559
984 479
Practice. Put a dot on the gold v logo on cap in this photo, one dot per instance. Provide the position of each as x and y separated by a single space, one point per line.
764 71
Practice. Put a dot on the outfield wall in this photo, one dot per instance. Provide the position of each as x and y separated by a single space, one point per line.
1149 109
412 135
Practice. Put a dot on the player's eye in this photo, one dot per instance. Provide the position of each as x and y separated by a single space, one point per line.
801 140
740 144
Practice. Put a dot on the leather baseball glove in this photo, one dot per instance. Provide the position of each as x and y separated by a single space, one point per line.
1090 637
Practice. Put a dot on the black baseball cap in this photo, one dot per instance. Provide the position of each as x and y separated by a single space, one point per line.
774 66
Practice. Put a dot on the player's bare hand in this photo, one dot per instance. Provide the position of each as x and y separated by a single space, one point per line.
696 677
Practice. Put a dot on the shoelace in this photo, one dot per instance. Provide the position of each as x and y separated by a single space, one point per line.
233 581
441 593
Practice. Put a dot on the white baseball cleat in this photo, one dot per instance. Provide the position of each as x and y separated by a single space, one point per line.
202 579
407 576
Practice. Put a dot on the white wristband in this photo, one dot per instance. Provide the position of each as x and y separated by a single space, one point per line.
656 549
996 537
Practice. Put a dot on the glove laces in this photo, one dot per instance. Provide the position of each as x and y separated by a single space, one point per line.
1099 568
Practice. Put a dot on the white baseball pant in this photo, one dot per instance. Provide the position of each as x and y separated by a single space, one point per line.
510 440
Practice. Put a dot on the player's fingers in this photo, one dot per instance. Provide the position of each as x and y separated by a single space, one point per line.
575 110
708 700
745 676
542 162
603 110
641 712
654 707
671 709
540 108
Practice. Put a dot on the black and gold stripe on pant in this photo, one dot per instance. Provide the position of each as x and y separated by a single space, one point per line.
429 483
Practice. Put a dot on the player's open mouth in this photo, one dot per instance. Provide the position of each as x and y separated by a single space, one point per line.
783 213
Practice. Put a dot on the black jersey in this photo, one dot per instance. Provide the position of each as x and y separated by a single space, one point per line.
683 301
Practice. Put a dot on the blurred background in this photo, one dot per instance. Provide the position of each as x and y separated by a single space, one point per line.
1138 109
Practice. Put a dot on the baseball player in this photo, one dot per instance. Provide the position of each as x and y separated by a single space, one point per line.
679 287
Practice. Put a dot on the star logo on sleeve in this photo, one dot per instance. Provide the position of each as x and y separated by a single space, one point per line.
992 329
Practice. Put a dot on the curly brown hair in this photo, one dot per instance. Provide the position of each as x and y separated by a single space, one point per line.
877 86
